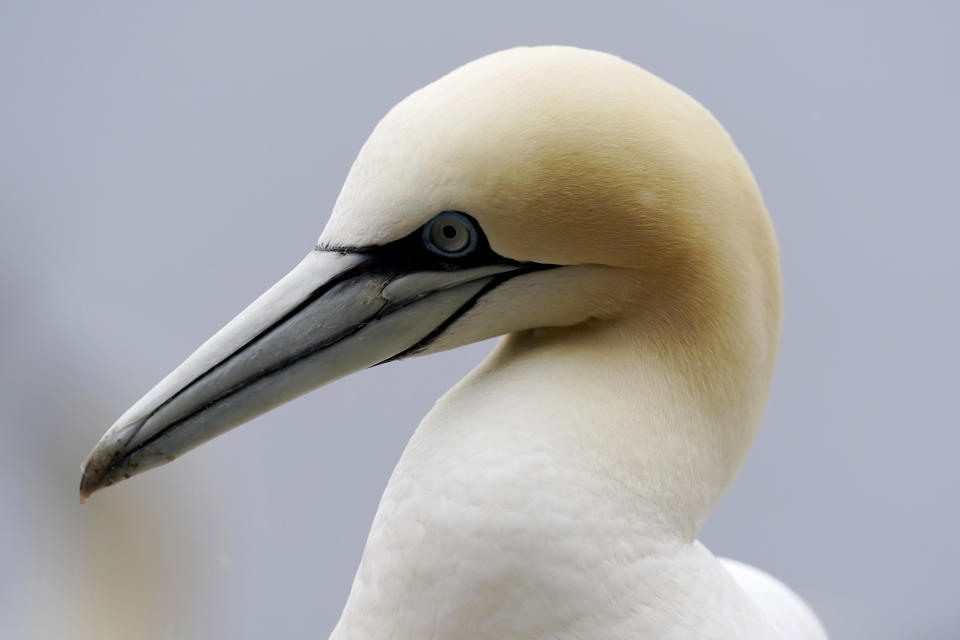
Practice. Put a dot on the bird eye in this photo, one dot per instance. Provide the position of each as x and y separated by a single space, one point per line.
450 234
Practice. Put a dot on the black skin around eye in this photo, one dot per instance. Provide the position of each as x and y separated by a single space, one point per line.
409 254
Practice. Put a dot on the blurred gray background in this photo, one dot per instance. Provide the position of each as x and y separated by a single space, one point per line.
161 164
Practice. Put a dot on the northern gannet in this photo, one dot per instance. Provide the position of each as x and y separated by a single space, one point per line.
606 223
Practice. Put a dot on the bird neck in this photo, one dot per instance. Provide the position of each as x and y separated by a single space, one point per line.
660 424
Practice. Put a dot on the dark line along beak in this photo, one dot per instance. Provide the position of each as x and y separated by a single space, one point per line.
334 314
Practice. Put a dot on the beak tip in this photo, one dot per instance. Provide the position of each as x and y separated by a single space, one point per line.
87 487
102 467
92 479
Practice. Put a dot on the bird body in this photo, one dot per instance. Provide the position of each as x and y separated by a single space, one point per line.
606 223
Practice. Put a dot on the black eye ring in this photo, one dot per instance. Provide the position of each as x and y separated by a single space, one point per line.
450 234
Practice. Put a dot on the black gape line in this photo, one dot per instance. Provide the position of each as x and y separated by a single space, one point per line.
409 254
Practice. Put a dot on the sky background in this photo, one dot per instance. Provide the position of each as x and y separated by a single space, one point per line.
161 164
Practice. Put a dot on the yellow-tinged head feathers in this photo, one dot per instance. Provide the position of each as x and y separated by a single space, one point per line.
564 156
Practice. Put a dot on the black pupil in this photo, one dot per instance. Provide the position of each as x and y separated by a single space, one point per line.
449 231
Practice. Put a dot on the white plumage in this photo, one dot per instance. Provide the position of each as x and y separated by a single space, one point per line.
557 491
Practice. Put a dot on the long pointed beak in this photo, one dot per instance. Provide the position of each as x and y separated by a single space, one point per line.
335 313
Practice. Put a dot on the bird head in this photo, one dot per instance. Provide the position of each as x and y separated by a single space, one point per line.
532 188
